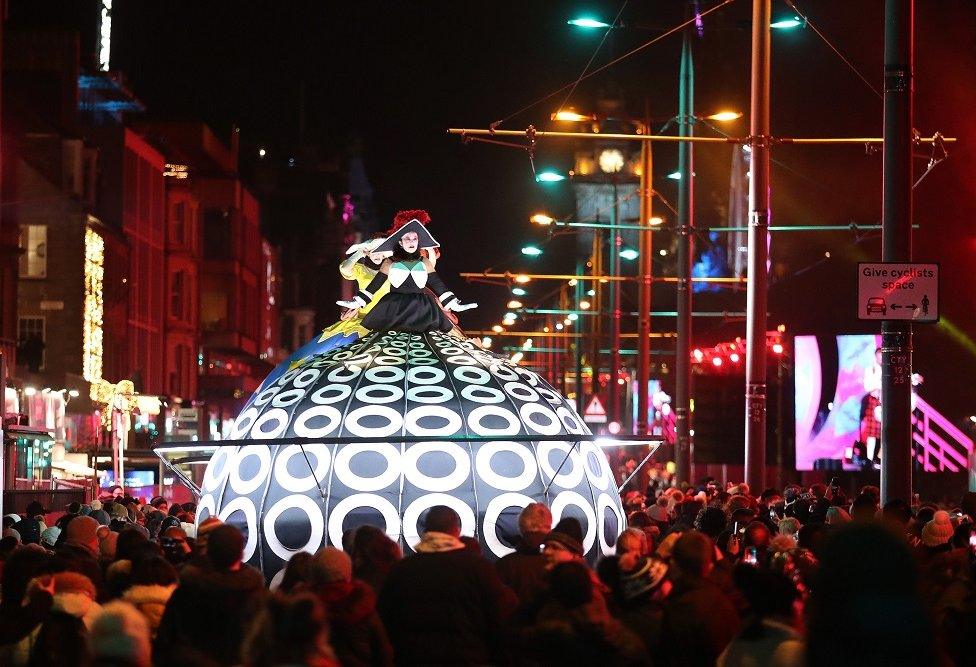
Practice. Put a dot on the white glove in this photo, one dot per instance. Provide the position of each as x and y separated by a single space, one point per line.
457 306
352 305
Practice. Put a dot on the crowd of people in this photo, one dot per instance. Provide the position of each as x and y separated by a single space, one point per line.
701 576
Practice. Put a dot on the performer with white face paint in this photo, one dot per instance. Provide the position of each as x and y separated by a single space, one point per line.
408 306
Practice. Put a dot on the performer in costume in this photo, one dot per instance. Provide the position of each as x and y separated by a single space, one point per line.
407 306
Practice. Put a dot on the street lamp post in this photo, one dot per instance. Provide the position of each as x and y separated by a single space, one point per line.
646 282
615 246
755 445
686 217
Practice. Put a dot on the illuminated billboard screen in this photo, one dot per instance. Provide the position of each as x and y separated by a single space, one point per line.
838 388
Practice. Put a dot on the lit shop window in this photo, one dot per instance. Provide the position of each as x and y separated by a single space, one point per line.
33 240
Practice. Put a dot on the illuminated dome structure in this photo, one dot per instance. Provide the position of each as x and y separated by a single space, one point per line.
392 425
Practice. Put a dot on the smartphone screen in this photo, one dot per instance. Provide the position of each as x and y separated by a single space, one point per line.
750 557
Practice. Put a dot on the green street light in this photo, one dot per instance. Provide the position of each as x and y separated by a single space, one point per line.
549 177
787 24
629 254
531 250
518 291
675 175
587 22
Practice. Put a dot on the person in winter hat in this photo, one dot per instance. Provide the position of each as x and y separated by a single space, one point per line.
108 540
938 531
120 636
523 570
564 543
49 537
83 531
644 586
357 633
99 514
31 526
63 637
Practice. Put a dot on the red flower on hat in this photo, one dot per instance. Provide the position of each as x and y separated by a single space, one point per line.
403 217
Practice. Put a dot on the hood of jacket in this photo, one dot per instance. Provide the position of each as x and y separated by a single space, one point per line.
78 605
433 542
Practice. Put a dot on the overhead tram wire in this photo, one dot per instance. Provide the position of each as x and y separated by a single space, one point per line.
678 28
819 33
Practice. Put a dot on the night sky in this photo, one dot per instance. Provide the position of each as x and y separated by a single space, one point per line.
398 74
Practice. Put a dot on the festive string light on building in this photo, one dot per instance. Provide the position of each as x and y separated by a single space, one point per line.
178 171
584 304
717 362
522 279
94 307
777 348
486 341
498 328
514 304
698 355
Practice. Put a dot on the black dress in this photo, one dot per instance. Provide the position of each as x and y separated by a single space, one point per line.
408 306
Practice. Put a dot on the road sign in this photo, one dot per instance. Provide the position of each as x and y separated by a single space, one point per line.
595 412
898 291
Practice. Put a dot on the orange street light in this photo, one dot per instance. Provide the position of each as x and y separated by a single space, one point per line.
542 219
725 116
570 116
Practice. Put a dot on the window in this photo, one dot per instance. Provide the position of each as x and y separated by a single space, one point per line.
179 223
31 338
216 235
176 295
33 240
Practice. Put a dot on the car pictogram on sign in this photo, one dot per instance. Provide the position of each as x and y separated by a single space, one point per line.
877 305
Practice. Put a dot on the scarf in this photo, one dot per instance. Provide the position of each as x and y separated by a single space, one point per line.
433 542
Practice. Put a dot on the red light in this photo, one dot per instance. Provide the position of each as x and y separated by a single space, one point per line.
716 361
697 354
777 348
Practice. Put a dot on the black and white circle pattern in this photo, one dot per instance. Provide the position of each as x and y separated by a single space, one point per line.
291 498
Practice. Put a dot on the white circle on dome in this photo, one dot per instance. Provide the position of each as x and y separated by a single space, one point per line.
351 422
528 376
482 394
566 498
222 458
528 410
385 374
570 421
416 345
388 394
207 502
476 416
322 395
244 423
341 509
421 375
493 511
429 394
288 397
603 502
472 374
521 391
394 351
504 372
451 350
315 520
245 505
306 377
343 355
388 360
289 482
246 486
550 395
345 474
486 473
424 362
416 354
461 360
300 423
411 515
278 415
566 478
344 374
460 474
266 395
412 420
600 478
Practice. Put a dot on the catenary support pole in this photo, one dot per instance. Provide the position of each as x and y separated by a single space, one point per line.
896 246
646 285
615 288
759 213
686 218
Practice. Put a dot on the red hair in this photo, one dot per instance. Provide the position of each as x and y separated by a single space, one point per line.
403 217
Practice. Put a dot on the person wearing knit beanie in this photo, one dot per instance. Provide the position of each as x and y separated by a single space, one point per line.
107 541
49 537
120 636
329 565
82 530
206 527
563 543
938 531
642 575
837 516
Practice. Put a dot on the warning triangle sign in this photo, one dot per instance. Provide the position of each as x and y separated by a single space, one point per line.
595 413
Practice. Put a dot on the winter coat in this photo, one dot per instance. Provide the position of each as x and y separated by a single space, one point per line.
101 516
644 618
444 607
524 569
766 642
151 601
356 632
209 614
19 625
699 622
